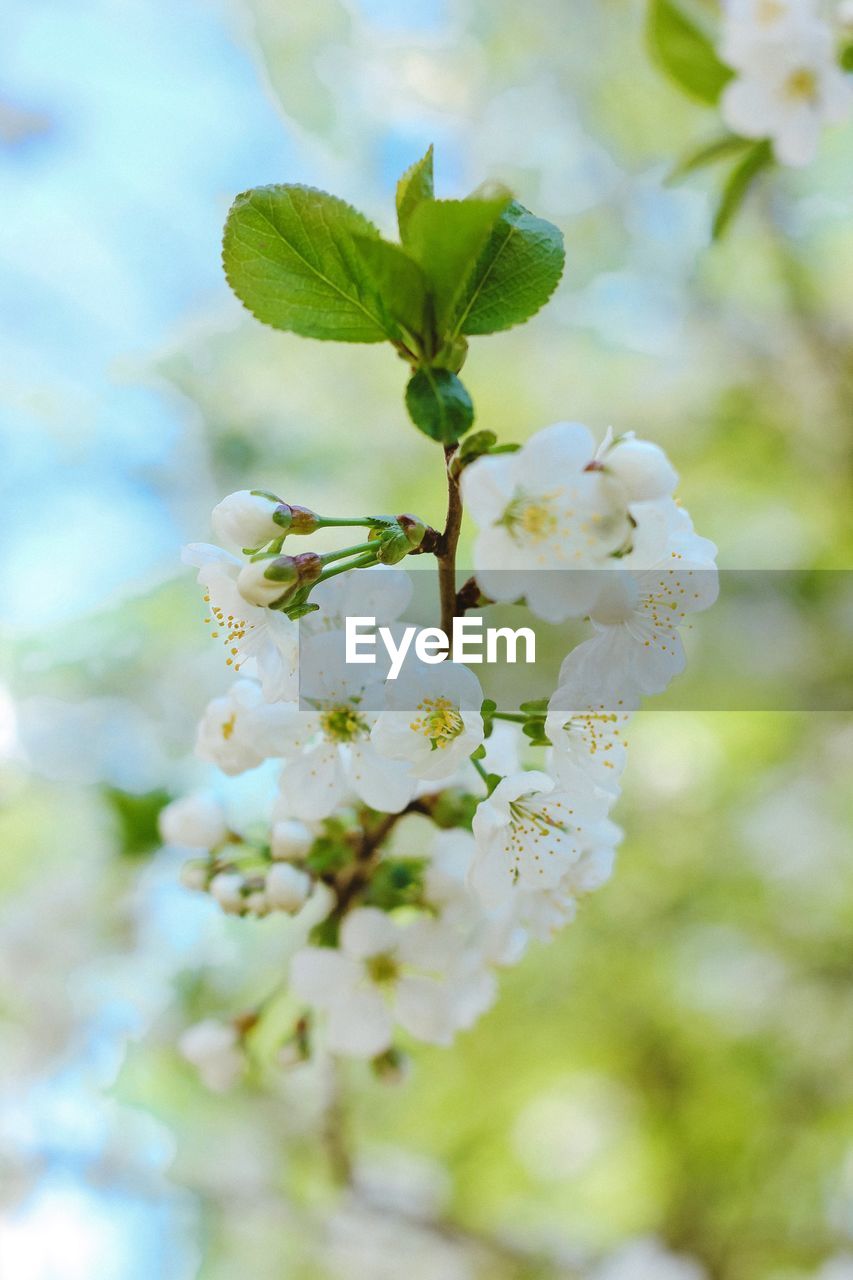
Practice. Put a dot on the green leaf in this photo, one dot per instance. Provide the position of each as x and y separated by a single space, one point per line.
447 237
291 256
515 274
685 52
710 153
741 178
476 445
400 281
846 58
439 404
415 185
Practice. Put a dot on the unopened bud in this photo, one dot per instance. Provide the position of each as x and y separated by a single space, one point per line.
245 519
303 520
413 528
256 903
194 875
309 566
227 889
287 888
196 821
265 582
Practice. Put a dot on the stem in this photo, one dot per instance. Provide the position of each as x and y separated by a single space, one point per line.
516 717
358 549
351 522
361 562
478 765
446 553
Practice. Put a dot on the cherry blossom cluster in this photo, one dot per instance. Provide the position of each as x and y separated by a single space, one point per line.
419 833
788 83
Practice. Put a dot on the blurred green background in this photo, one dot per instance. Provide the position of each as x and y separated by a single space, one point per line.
678 1065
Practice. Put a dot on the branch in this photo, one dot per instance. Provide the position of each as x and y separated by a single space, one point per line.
446 552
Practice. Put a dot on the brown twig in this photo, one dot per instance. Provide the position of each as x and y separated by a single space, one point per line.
446 552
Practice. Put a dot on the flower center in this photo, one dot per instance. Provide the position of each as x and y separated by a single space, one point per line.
229 629
769 11
801 85
382 969
228 726
342 723
440 722
533 518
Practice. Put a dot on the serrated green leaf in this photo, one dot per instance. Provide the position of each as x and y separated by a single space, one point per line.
416 185
741 178
685 52
439 405
710 153
290 255
447 237
400 281
516 273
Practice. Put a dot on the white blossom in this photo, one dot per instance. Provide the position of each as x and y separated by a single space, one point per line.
493 936
542 912
382 973
212 1047
240 730
264 638
555 505
787 88
431 719
290 839
749 22
196 821
244 521
637 647
588 740
639 467
330 756
529 832
287 888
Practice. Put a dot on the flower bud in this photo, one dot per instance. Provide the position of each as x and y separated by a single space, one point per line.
413 528
290 840
303 520
309 566
642 468
227 889
265 582
196 821
245 519
287 888
256 903
194 875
